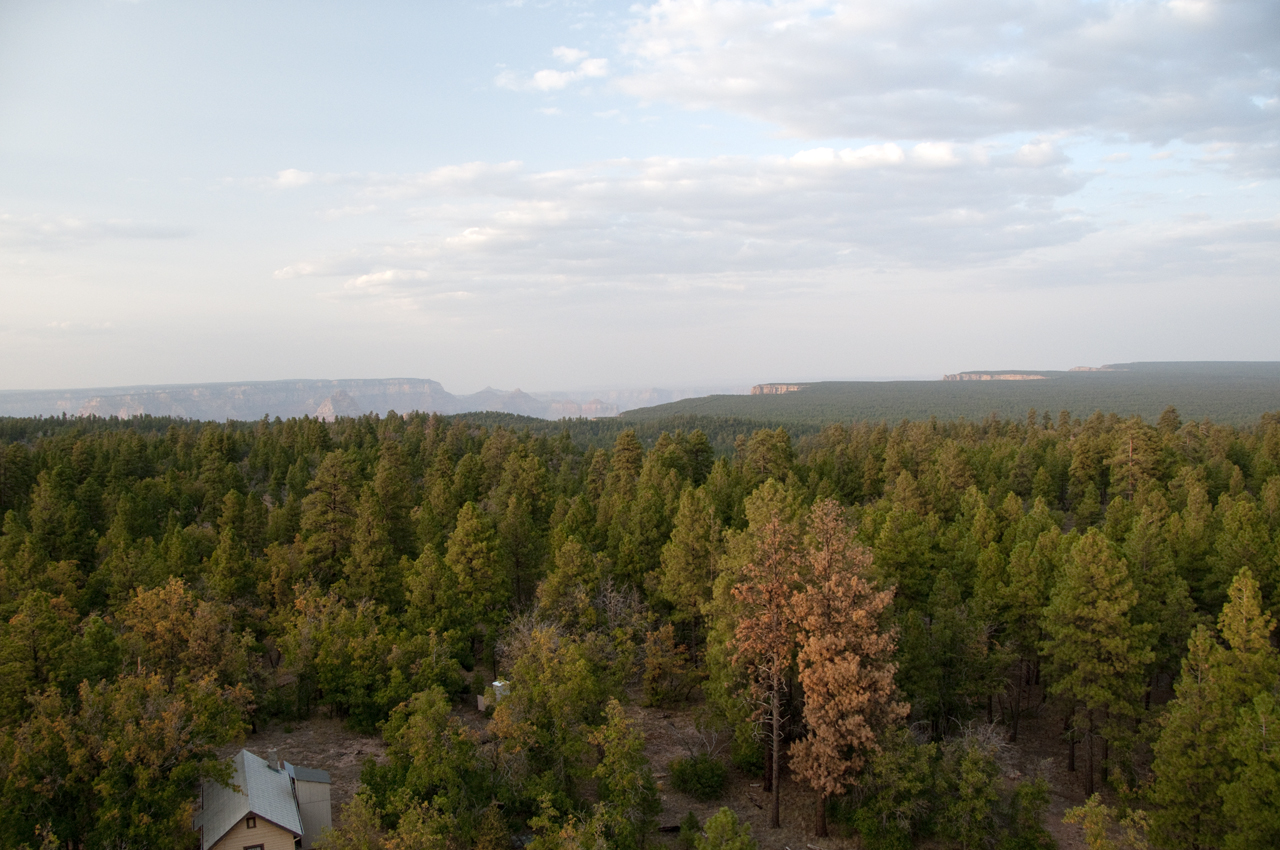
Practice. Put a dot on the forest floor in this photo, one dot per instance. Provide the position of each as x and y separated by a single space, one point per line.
670 735
327 744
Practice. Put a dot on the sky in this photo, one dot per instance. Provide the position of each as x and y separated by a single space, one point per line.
575 194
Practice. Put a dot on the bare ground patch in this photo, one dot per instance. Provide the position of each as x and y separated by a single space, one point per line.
671 734
321 743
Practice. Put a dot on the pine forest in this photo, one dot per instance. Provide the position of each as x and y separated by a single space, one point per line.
867 626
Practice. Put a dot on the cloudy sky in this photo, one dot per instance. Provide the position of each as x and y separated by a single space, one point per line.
586 194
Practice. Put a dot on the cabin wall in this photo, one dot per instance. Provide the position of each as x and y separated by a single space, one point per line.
270 836
315 808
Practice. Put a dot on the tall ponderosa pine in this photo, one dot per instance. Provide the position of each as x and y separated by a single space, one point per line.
948 662
521 495
1243 542
371 571
329 516
1193 755
1023 598
690 557
765 637
1251 800
1097 655
482 584
1164 599
629 802
393 486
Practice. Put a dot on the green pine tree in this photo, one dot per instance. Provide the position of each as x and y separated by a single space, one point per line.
1097 655
1193 759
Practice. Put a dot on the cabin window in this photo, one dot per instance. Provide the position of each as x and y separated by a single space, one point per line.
250 822
254 847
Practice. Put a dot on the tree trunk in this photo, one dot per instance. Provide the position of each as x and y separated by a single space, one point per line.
1071 742
768 765
775 705
1017 712
990 708
1106 760
821 829
1088 779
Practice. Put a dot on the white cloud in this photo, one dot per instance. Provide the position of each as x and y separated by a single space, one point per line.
376 282
723 223
569 55
467 177
940 154
77 328
550 79
953 69
59 231
349 211
292 178
1038 154
869 156
872 155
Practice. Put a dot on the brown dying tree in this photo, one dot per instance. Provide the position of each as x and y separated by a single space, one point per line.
844 660
765 638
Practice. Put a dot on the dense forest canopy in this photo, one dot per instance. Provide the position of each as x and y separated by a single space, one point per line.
848 605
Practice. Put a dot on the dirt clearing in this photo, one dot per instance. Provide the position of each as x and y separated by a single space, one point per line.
323 744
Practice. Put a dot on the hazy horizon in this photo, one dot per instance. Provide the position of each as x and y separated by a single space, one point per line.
710 386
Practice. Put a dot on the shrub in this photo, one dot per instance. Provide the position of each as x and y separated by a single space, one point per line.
745 751
668 679
701 777
878 834
891 806
725 832
1026 810
690 829
968 790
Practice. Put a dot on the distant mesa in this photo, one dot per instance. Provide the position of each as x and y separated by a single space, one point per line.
1032 376
1229 392
568 409
995 376
326 400
776 389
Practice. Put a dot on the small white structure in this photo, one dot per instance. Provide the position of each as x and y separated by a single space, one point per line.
500 690
268 806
